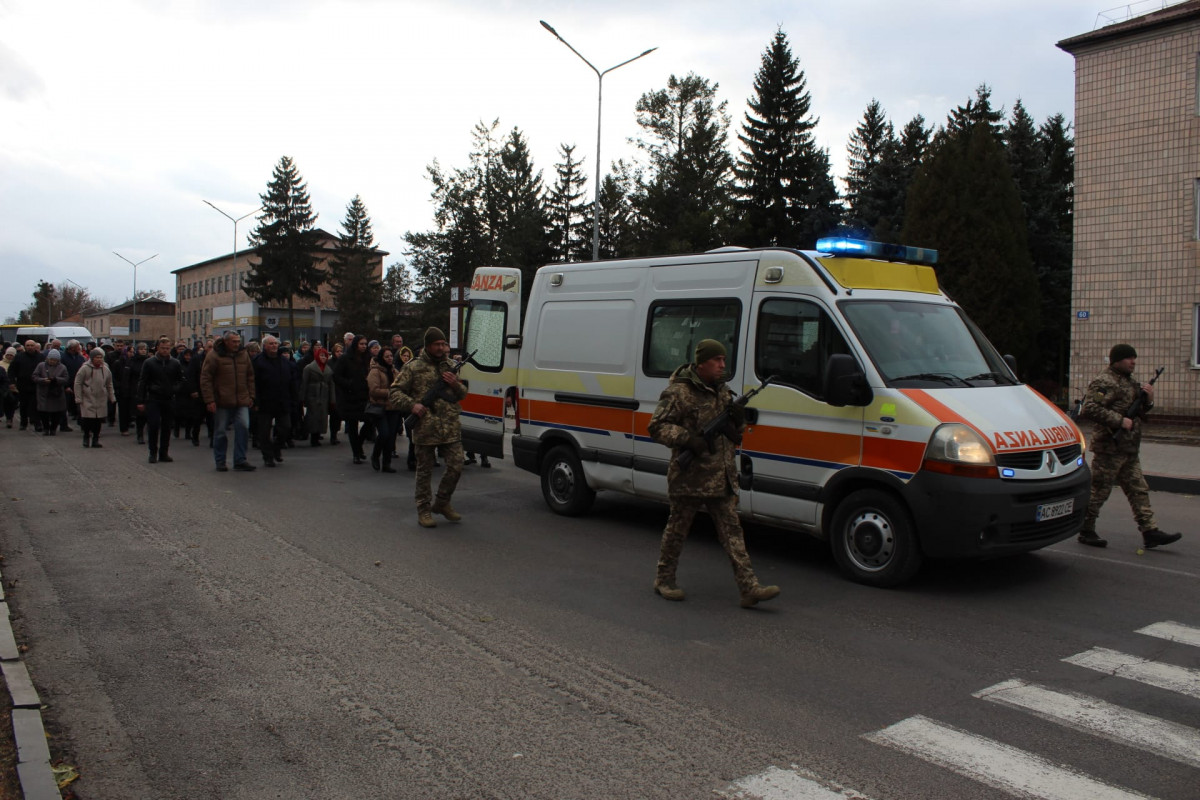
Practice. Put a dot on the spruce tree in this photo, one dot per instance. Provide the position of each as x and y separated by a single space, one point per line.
567 211
521 239
395 295
286 244
786 194
872 151
618 219
356 287
964 203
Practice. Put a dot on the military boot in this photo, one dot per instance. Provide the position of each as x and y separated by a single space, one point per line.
1092 538
668 590
443 507
1154 537
425 518
759 594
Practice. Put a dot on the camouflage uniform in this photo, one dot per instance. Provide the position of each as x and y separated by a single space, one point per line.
439 432
1116 460
684 407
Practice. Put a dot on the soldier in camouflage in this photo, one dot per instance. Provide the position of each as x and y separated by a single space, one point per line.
1115 459
439 431
697 394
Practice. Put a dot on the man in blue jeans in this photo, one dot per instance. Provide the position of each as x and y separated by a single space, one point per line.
227 385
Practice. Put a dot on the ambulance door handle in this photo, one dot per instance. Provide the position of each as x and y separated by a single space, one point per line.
746 473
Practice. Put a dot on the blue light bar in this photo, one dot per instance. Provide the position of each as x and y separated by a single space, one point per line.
1008 473
840 246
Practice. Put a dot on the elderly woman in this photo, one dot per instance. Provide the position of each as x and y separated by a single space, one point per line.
50 379
316 391
9 399
93 392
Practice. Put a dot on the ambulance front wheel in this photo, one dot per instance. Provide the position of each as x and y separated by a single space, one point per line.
873 539
563 483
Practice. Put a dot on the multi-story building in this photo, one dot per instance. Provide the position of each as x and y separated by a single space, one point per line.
154 318
210 300
1137 201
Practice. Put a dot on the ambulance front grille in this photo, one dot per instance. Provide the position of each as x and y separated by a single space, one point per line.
1034 459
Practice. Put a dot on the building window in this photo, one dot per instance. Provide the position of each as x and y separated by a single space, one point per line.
1196 208
1196 336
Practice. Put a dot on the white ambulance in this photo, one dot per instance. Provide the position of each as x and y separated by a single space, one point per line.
892 427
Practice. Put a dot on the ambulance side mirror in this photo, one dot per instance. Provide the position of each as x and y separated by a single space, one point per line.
1011 360
845 384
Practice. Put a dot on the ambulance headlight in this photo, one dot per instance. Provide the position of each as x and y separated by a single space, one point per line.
955 449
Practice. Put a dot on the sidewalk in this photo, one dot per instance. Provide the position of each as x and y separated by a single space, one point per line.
1171 467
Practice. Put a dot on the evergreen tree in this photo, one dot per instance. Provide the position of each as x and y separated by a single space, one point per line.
395 296
570 236
964 203
352 276
521 239
785 192
977 111
618 220
286 244
872 152
685 202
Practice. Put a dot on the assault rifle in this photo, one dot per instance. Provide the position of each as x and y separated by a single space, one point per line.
717 425
437 392
1135 408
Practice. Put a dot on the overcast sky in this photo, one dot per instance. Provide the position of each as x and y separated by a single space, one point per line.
118 118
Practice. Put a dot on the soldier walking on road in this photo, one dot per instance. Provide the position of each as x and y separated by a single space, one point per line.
696 395
1116 440
439 431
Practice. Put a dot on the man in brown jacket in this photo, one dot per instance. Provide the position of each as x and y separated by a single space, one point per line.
227 385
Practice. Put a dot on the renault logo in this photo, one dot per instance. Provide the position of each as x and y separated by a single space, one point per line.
1051 462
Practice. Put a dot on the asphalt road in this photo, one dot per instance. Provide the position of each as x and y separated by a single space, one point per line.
294 633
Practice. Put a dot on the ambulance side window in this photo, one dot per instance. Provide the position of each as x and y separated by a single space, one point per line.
485 328
795 338
676 327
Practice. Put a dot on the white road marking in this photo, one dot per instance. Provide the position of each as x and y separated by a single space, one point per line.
1173 631
1117 562
1184 680
994 764
783 784
1095 716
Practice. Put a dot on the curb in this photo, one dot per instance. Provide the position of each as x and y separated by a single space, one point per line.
1173 483
33 751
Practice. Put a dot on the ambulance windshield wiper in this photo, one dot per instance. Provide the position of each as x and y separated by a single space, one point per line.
944 377
998 377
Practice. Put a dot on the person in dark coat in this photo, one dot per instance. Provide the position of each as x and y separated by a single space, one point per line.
189 408
160 380
20 372
50 378
73 358
316 389
8 391
131 374
273 387
350 389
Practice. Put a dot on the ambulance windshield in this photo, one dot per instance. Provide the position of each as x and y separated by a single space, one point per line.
925 344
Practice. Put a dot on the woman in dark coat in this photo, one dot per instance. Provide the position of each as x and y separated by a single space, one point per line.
189 407
50 379
350 389
316 390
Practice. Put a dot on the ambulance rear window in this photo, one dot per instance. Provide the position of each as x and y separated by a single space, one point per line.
676 327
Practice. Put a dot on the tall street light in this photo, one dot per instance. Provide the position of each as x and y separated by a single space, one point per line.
599 98
233 313
133 316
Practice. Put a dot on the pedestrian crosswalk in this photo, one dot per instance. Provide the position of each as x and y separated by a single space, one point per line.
1015 771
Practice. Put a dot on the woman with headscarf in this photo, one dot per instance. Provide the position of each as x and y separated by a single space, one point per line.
94 390
335 419
9 399
50 379
316 391
350 385
379 384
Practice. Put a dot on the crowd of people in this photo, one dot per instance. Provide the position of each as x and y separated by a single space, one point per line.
265 394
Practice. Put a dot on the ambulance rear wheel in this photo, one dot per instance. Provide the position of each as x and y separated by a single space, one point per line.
873 539
563 483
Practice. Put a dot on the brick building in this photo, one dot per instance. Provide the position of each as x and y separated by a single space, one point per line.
206 304
1137 201
155 317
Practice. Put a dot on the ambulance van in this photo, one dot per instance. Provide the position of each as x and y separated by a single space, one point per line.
891 427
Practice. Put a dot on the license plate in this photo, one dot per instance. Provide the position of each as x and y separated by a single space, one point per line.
1055 510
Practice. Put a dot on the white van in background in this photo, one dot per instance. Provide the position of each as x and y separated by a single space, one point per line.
64 333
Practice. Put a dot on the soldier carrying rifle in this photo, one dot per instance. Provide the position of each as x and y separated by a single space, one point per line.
1118 406
696 395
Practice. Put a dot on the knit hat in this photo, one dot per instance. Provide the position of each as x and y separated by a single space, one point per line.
97 352
708 348
1120 352
434 335
372 343
54 355
12 351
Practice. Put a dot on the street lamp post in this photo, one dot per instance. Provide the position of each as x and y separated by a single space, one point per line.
233 312
599 98
133 316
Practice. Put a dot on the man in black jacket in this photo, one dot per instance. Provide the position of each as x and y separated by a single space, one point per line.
274 389
161 379
20 372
